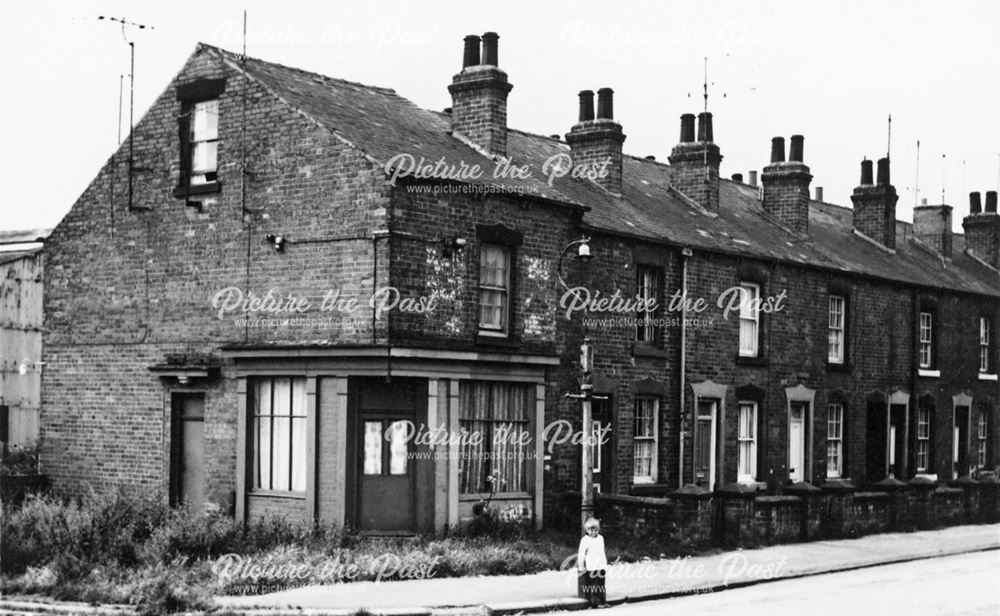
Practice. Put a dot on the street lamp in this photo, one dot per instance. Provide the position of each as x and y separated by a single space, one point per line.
586 395
582 254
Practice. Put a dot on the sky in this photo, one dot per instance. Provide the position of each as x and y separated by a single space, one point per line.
831 71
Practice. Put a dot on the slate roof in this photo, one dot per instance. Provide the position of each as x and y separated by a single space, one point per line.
382 124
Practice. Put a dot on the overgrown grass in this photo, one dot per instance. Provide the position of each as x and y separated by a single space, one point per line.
133 549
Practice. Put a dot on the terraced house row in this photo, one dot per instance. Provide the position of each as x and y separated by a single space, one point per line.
275 305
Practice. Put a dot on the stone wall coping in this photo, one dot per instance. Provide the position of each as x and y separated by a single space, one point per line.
891 484
965 481
922 483
947 490
803 488
774 500
736 490
838 485
646 501
693 491
871 495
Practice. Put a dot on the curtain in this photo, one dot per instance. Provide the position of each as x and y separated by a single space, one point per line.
495 419
279 424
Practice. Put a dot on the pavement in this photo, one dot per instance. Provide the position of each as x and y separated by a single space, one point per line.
556 590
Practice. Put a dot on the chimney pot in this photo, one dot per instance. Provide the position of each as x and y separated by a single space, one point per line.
778 150
605 104
471 56
753 178
705 127
991 201
923 201
975 203
738 177
866 173
586 105
650 157
490 48
883 172
795 148
819 193
687 128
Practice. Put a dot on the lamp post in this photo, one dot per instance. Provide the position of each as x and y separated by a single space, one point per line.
586 395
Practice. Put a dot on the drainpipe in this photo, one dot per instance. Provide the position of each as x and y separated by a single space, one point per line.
685 254
914 367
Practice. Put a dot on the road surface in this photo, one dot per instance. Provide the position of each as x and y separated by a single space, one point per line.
966 584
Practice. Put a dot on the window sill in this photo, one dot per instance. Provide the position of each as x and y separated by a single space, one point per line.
497 340
838 367
210 188
746 360
927 476
642 349
931 374
473 498
987 377
277 494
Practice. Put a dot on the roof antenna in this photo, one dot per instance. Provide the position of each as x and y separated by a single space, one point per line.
131 94
916 181
888 145
943 169
705 88
243 124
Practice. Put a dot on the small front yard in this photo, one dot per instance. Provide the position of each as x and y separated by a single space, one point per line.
133 549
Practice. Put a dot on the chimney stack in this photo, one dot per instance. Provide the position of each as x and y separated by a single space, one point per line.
932 226
982 229
479 96
875 205
597 142
786 185
694 164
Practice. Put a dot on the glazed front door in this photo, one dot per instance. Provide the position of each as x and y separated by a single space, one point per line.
797 442
382 424
704 443
602 449
385 484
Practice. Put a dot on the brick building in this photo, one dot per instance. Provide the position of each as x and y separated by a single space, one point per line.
262 309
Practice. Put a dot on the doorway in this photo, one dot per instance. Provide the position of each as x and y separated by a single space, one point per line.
187 455
602 450
797 430
878 437
960 448
384 469
705 443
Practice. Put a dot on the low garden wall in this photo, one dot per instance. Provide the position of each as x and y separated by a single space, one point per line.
739 516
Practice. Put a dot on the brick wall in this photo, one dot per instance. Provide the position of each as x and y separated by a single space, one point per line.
127 287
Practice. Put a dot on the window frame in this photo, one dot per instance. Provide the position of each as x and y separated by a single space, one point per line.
982 440
923 433
503 329
209 175
297 422
926 343
751 440
837 440
650 334
488 451
754 318
985 345
833 330
652 437
190 95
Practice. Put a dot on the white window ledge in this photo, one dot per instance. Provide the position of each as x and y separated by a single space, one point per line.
987 377
929 373
930 476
